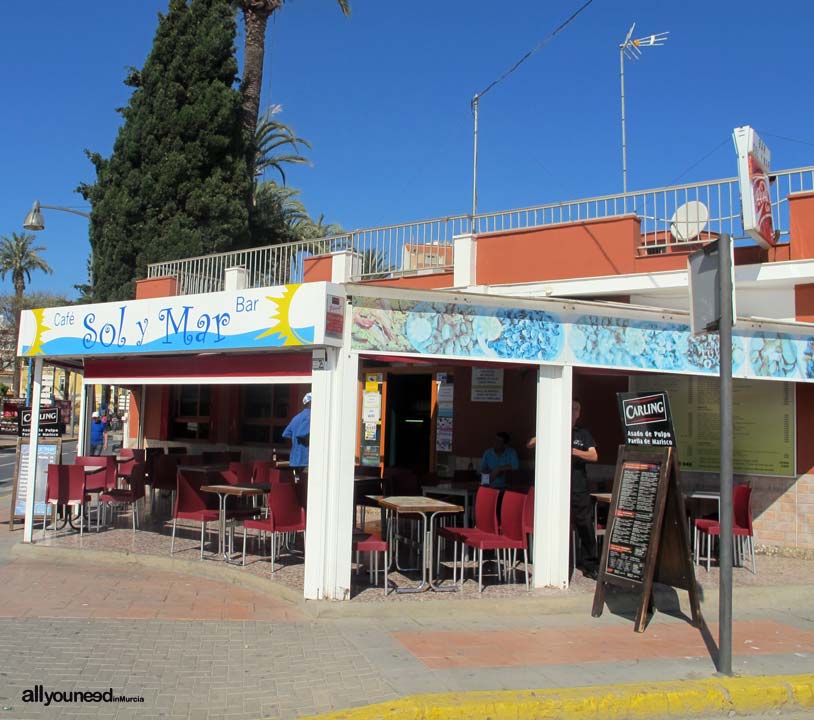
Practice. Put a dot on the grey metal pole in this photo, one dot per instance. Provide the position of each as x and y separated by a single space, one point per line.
624 141
475 102
726 517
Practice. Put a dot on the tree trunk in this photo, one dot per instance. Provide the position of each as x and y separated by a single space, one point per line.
19 290
255 20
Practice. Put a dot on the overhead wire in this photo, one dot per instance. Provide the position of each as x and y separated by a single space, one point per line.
547 39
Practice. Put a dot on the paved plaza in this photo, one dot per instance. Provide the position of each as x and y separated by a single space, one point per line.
215 646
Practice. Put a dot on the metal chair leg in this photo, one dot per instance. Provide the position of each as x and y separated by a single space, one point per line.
526 561
203 530
172 545
244 546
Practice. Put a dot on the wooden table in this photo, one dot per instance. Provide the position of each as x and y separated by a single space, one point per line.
224 491
423 506
211 467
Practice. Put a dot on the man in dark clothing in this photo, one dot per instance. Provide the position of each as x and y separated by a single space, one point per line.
583 451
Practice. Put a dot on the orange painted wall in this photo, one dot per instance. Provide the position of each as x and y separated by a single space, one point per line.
805 421
156 287
156 405
586 249
317 269
475 423
801 225
419 282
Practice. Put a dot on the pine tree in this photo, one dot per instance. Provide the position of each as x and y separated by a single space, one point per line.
177 180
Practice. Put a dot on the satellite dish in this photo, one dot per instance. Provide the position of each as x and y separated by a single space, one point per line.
689 221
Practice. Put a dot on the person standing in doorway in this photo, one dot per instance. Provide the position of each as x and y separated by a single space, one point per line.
98 434
299 432
583 451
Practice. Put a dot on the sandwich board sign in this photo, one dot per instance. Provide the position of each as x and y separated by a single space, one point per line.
646 540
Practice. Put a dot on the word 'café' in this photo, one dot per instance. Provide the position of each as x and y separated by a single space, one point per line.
464 329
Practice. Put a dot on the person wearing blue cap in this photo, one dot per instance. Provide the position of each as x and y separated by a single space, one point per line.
299 432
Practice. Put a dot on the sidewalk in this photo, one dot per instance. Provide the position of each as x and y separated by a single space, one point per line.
224 646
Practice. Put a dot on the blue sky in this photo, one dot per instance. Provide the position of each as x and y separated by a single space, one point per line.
384 98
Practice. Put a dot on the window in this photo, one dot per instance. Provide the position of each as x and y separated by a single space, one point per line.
264 413
189 417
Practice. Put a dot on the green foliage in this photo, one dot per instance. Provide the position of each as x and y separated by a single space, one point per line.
280 216
177 183
19 257
269 138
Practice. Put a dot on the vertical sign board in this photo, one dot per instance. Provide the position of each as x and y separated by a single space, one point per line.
48 452
445 394
754 183
647 539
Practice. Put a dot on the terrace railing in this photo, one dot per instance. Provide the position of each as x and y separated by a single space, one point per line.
427 246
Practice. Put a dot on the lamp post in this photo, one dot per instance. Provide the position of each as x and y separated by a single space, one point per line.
632 50
34 221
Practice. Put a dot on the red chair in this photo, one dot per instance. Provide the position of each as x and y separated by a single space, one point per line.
192 504
286 515
238 473
266 472
742 530
528 518
485 524
511 536
126 468
65 486
103 481
372 543
131 496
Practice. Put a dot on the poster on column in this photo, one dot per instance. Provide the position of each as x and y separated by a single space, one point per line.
443 427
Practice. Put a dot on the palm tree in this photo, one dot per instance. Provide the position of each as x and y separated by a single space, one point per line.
271 135
256 14
20 257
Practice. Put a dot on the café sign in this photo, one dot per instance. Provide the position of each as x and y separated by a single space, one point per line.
282 316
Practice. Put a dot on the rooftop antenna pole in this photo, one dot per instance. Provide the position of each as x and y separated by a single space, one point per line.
475 102
632 50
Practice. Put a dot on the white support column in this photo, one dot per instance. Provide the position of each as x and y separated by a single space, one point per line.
142 406
84 419
465 256
330 477
345 266
552 499
33 451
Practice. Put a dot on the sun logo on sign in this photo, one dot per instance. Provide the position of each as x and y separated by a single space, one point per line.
281 317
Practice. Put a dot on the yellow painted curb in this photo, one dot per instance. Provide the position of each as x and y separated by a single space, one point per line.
678 699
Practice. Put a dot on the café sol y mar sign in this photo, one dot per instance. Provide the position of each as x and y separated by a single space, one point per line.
282 316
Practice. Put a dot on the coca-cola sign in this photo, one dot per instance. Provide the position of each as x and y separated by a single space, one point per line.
755 186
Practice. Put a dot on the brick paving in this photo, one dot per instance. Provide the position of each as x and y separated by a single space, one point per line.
197 647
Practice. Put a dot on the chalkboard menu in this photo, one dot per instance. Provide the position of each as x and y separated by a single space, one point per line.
646 538
632 526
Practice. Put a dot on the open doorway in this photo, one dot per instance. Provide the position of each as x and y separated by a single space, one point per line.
409 426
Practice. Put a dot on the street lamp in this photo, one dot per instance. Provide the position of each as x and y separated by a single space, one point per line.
632 50
34 221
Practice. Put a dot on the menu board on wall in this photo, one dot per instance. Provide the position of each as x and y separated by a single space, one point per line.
487 384
763 423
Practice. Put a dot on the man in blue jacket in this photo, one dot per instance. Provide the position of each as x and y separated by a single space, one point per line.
299 432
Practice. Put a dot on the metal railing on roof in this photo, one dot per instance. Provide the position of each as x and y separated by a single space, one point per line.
427 246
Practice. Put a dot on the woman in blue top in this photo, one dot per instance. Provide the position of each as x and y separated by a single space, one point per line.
498 461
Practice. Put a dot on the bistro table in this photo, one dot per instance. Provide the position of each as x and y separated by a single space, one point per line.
224 491
423 506
466 489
